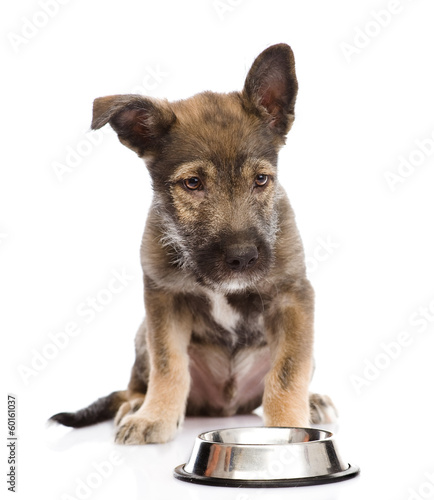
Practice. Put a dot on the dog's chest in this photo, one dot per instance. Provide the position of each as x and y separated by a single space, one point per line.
229 356
222 312
232 321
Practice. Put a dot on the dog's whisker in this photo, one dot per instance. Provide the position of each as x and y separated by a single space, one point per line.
260 296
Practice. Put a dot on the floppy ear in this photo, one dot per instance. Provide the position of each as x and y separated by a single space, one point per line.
271 87
140 122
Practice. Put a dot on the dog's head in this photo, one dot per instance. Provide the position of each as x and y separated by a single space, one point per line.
213 164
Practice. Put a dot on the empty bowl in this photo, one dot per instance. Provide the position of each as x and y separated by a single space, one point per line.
265 457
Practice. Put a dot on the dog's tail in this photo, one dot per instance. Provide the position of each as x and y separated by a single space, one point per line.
101 410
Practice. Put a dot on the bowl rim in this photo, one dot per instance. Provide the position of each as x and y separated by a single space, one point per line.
329 436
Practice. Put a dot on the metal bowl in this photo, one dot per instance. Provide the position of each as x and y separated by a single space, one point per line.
265 457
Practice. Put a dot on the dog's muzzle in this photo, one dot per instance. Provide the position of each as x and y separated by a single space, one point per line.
233 260
241 257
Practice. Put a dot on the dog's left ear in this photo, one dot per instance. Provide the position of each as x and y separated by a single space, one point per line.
271 88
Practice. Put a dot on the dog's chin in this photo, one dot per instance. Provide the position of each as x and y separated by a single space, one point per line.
231 286
239 283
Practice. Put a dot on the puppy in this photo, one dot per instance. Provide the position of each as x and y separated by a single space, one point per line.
229 310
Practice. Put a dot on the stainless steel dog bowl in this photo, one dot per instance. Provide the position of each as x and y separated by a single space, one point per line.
265 457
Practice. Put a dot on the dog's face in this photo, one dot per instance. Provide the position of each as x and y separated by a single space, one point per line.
213 163
216 183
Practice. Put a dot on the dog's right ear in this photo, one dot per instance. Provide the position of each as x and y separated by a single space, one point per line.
140 122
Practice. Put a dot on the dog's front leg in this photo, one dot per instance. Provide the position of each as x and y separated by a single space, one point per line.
289 325
168 330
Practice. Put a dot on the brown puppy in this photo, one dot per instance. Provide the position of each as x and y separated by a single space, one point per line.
229 311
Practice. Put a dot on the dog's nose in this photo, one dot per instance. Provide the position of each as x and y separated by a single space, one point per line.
239 258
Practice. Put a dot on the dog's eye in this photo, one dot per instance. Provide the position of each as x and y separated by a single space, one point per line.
261 180
193 183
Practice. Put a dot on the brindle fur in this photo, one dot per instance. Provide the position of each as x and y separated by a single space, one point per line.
216 340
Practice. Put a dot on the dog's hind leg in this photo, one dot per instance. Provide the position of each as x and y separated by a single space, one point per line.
322 409
138 385
129 407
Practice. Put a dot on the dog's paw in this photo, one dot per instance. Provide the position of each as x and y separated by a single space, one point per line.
128 407
322 410
137 429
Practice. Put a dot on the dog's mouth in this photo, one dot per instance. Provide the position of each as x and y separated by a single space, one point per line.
229 263
232 268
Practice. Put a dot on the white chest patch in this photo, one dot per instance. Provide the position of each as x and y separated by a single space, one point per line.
222 312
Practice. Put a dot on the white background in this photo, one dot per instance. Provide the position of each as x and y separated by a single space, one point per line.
61 236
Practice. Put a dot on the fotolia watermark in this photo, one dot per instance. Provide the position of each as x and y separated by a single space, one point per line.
151 80
223 7
424 490
32 25
76 154
389 351
3 238
87 310
276 468
373 368
363 36
100 472
323 250
408 164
